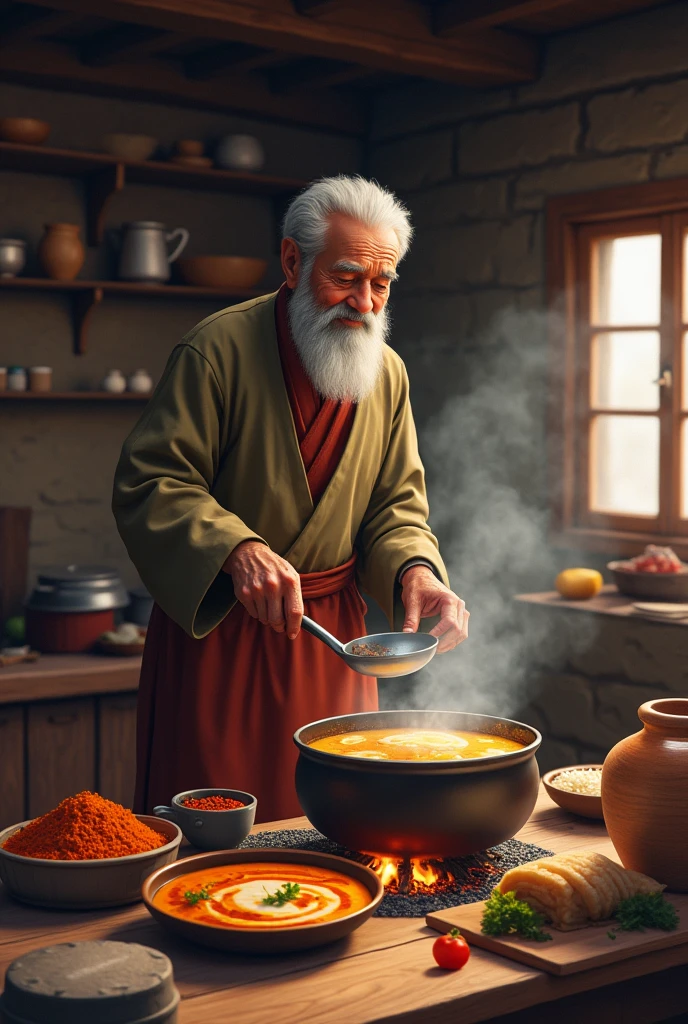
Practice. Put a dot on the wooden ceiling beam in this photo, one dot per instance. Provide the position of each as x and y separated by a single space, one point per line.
122 42
458 16
55 65
208 62
486 56
289 79
26 21
316 8
226 60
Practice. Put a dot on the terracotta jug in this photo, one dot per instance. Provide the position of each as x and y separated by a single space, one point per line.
644 794
61 252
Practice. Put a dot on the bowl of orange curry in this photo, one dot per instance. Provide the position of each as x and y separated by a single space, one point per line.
262 900
88 852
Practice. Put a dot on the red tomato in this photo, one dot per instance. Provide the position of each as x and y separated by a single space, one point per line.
451 950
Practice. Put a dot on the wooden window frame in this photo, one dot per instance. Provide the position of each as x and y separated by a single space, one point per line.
570 220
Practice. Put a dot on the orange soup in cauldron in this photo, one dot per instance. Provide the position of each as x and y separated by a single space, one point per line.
415 744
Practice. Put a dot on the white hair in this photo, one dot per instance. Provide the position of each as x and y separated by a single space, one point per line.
307 216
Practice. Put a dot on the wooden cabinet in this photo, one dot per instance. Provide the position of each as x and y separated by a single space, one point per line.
12 782
117 747
61 749
67 723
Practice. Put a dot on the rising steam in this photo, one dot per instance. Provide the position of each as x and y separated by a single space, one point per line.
487 485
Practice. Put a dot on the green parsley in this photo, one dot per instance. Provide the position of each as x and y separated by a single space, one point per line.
646 910
194 897
505 915
285 894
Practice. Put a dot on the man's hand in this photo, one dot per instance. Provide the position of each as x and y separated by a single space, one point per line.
267 585
424 595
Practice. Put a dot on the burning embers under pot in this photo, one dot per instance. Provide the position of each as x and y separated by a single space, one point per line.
431 877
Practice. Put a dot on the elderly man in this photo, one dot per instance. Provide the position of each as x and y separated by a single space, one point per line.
276 468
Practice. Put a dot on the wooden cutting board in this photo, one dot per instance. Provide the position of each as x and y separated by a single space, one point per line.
565 952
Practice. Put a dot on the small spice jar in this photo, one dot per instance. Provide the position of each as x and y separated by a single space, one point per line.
3 378
16 378
40 378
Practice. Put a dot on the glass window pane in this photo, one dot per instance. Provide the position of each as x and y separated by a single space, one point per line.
624 468
684 469
627 288
624 364
685 276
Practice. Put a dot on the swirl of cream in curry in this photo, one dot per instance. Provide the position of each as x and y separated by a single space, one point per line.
262 895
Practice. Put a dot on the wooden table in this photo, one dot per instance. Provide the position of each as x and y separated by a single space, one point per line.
384 972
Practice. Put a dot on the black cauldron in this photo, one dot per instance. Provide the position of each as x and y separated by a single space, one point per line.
416 808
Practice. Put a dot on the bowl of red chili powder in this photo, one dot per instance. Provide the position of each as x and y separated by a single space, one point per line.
212 819
88 852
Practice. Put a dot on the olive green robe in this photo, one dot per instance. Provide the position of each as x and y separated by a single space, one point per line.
215 460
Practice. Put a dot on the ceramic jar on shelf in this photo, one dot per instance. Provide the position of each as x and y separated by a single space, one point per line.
644 787
40 378
12 256
114 382
61 252
140 382
17 379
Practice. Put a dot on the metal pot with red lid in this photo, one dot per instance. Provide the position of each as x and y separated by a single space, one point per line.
71 606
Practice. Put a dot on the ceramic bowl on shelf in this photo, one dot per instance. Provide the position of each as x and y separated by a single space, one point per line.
222 271
650 586
192 161
129 145
28 131
586 805
263 939
190 147
85 884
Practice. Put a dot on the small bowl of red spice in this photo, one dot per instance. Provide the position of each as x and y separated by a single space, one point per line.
88 852
212 819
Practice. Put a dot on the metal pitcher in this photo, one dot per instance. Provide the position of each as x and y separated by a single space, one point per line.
143 252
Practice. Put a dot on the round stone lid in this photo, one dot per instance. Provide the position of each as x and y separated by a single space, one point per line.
83 982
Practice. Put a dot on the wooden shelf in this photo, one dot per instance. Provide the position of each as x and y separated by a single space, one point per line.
71 396
86 295
104 176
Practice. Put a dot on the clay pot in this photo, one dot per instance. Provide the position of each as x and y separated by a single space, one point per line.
61 252
27 131
644 785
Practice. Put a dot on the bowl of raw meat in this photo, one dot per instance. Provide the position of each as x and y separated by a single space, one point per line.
656 575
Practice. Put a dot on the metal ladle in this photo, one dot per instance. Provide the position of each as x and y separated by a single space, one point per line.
409 651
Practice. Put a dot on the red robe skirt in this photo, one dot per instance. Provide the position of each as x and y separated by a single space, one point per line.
222 711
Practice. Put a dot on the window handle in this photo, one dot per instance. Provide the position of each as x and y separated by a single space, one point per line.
665 380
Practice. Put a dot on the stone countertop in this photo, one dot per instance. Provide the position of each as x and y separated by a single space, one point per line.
55 676
608 602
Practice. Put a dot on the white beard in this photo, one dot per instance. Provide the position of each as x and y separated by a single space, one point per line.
343 363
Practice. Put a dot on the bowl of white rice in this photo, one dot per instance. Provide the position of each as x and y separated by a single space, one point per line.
576 788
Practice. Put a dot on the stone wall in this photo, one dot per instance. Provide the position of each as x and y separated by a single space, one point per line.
59 459
587 704
476 168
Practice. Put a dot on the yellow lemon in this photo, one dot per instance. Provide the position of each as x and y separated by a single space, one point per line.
578 584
